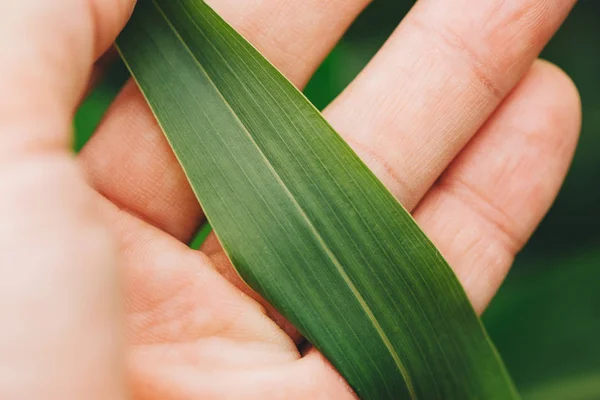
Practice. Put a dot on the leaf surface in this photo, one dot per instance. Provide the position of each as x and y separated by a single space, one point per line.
302 219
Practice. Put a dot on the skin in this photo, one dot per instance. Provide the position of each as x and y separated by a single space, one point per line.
454 114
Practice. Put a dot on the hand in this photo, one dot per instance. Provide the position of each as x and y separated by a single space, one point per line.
454 115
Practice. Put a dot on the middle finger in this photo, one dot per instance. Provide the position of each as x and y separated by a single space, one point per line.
436 81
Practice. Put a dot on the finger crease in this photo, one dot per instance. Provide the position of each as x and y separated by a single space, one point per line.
454 42
485 209
399 187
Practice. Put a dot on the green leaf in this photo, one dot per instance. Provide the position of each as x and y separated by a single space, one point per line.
302 219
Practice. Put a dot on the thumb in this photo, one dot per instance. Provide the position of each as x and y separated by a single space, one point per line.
47 51
60 307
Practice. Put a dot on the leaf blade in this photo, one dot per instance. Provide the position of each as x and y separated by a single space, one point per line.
326 224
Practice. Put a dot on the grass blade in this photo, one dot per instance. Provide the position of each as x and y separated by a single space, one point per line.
303 220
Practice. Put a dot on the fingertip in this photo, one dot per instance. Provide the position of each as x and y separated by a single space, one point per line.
558 102
109 18
494 195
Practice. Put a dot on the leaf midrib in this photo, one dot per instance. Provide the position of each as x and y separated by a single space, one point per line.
339 267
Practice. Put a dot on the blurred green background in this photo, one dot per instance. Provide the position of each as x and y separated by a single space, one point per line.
546 318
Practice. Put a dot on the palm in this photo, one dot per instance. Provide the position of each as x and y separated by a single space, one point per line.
193 334
470 177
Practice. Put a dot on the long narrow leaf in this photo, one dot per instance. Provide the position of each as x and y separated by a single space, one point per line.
303 220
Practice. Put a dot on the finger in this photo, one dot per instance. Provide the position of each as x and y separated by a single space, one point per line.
436 81
156 377
485 207
60 303
269 382
421 109
47 52
495 193
294 35
138 171
182 316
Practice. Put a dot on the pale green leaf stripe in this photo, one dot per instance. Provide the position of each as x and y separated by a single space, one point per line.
303 220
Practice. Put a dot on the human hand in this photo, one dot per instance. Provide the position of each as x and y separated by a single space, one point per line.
451 115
